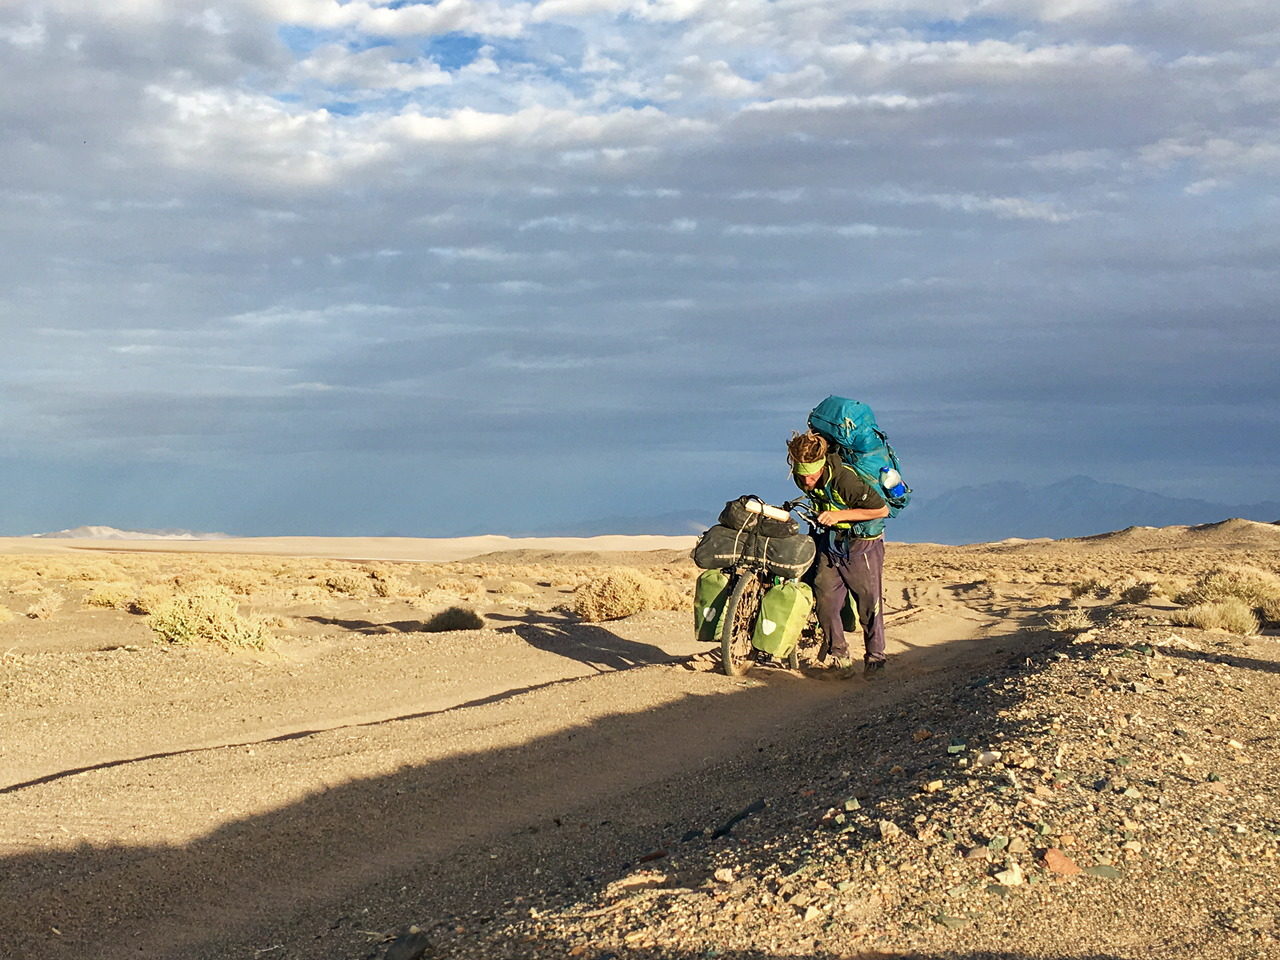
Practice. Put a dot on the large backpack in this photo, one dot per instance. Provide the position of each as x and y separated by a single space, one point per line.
852 427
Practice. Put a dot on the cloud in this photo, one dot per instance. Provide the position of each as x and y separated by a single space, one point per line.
299 233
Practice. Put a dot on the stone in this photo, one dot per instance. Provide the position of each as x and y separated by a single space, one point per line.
888 830
723 875
921 735
1104 870
1017 845
1011 876
951 923
933 786
1055 861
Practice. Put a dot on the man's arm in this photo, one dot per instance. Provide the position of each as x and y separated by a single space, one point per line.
853 515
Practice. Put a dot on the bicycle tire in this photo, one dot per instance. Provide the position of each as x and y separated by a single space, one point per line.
735 625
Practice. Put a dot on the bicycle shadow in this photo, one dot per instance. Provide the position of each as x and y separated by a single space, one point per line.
599 648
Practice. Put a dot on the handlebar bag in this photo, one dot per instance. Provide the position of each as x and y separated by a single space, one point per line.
784 610
735 516
788 557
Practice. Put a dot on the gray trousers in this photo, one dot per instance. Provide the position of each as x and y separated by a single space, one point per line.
862 574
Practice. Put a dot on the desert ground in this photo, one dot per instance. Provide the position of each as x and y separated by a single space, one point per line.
399 743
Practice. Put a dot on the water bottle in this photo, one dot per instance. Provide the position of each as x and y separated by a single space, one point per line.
891 482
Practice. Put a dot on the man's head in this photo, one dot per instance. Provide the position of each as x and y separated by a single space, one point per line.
807 453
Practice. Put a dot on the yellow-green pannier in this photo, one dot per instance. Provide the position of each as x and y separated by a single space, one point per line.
784 610
709 595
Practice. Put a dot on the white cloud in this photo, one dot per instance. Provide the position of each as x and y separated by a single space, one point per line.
375 69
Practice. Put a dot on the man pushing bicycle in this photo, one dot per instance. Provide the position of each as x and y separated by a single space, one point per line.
850 548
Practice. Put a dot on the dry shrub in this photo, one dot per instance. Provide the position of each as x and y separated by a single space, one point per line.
116 596
456 585
210 615
149 599
1232 615
1045 598
454 618
45 605
1090 587
1257 589
347 584
515 587
622 592
1070 619
388 583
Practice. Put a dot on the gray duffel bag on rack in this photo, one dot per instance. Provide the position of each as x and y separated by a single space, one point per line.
788 557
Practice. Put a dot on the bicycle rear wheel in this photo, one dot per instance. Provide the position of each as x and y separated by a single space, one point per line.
736 624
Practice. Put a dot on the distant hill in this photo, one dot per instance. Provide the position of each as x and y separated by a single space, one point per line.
1074 507
675 524
111 533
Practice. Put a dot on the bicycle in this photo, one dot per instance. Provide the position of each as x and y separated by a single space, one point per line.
750 577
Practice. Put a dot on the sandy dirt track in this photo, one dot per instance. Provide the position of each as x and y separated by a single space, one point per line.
180 802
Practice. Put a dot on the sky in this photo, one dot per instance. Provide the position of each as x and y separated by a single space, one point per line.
309 267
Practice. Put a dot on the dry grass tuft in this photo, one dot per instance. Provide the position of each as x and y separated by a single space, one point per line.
454 618
1232 615
209 615
1069 620
45 605
622 592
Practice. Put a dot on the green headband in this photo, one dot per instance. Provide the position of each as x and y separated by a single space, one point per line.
804 469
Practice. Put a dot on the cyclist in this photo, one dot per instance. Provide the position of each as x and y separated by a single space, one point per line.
847 563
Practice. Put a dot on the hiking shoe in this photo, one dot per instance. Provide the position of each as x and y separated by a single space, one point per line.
840 668
872 669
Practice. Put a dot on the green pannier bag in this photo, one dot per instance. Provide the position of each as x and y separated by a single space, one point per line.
784 610
709 596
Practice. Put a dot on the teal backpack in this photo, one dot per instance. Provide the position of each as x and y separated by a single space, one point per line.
852 427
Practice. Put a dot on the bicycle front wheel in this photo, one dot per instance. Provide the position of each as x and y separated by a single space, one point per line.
736 624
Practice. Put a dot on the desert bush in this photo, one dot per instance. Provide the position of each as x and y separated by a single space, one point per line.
1090 587
45 605
1269 610
515 587
455 585
1069 619
148 599
1045 598
622 592
210 615
111 595
1257 589
454 618
388 583
1232 615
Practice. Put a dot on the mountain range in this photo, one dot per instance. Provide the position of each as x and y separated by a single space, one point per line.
96 532
1074 507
